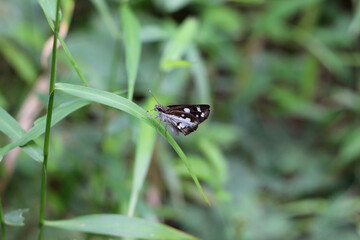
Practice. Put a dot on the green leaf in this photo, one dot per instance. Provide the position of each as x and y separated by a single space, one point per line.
354 27
144 150
306 206
318 49
49 8
350 149
118 102
120 226
217 159
198 70
179 43
15 218
10 127
294 104
18 60
67 53
247 1
172 64
104 11
39 126
131 34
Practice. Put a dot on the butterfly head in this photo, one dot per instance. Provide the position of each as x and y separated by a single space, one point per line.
159 108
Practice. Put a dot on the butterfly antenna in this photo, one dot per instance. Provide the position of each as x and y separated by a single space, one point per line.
153 96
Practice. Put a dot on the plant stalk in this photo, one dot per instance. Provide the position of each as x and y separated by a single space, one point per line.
2 219
48 120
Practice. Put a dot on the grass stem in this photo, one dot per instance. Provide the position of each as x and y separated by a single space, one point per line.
48 120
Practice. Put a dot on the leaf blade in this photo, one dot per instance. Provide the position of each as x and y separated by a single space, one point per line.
178 45
121 226
39 126
132 43
143 153
10 127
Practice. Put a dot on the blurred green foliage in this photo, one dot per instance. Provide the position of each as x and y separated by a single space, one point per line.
278 156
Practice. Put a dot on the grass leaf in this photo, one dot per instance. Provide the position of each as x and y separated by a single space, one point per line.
179 44
21 63
131 34
121 103
198 70
144 149
39 126
49 8
10 127
120 226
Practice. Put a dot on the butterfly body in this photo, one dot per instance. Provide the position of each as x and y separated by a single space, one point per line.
184 118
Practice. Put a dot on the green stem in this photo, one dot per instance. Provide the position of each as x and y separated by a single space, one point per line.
48 120
2 222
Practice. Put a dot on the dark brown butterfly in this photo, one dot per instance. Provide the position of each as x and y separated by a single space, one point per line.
184 118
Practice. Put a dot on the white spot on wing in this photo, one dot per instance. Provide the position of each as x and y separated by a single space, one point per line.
197 115
187 110
202 115
183 115
198 109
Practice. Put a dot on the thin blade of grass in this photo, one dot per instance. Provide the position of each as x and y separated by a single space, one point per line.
120 226
132 43
67 53
121 103
198 70
39 126
10 127
104 11
144 150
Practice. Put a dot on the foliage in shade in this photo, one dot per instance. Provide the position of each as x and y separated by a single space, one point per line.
278 156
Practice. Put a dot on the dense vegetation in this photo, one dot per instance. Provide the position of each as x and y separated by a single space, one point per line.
277 158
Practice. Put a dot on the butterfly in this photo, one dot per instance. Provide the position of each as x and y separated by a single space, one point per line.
183 118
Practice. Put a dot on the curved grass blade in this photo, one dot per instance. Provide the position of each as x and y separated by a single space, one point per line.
67 53
131 35
120 226
39 126
121 103
10 127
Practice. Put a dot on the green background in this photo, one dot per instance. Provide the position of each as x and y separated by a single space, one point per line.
277 157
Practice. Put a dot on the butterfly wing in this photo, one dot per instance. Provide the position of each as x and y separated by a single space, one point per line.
182 121
200 112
